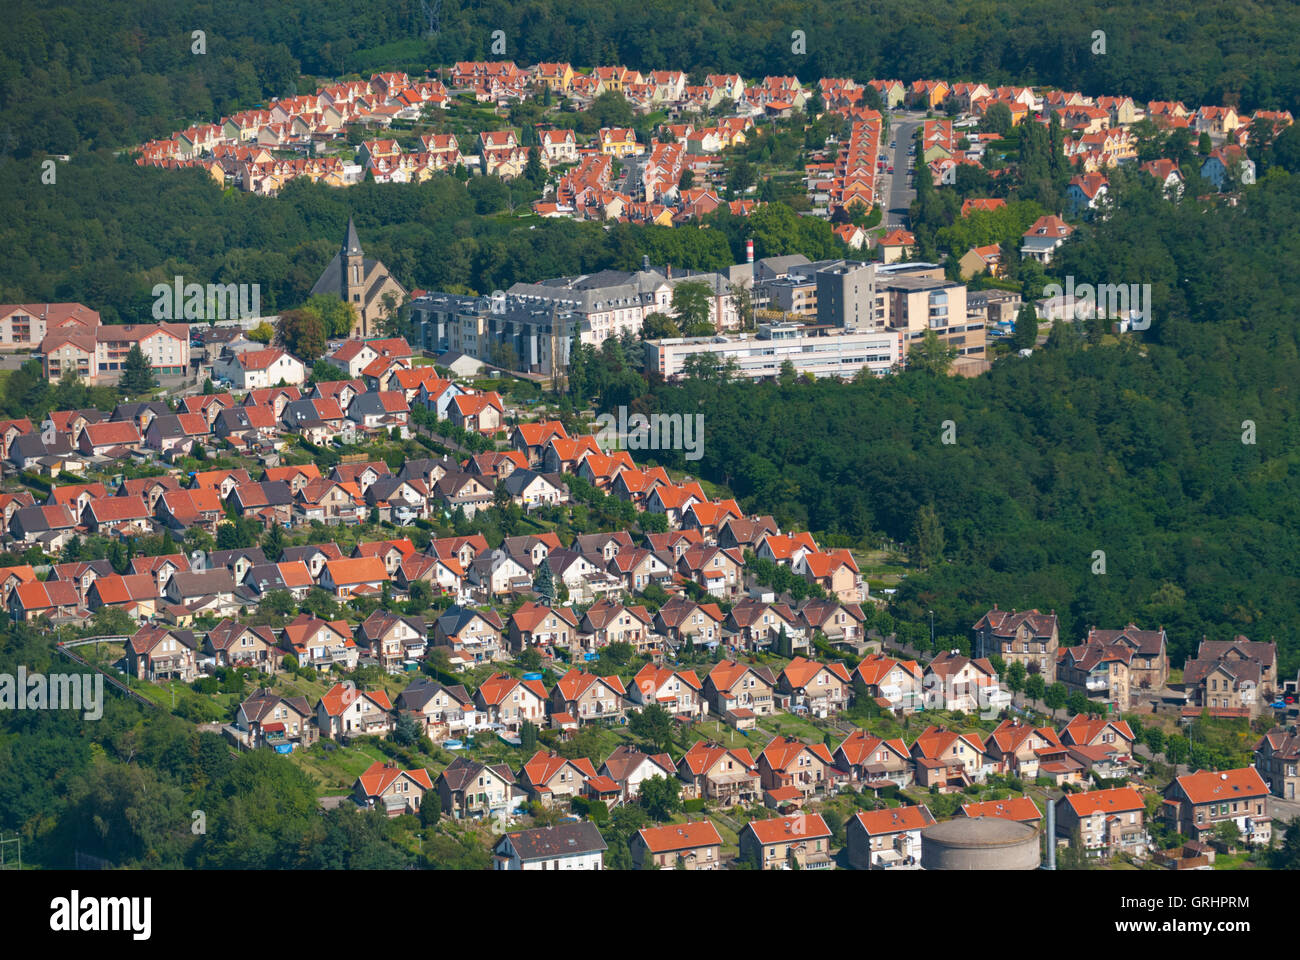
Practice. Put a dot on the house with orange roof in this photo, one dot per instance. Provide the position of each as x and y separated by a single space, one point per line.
785 547
1020 809
1086 193
835 571
1015 747
732 686
510 701
387 787
345 712
1086 731
707 517
391 552
137 594
357 576
1044 237
977 260
1104 822
320 644
715 773
887 839
561 454
34 598
790 762
688 846
252 369
99 439
481 412
895 245
981 205
872 761
672 500
898 683
531 439
818 689
782 842
587 697
680 692
949 760
550 778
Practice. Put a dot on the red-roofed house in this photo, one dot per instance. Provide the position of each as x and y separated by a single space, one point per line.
345 711
1105 822
789 762
254 369
887 839
692 846
776 844
1196 803
387 787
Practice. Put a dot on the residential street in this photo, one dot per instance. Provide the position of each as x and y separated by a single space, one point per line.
895 188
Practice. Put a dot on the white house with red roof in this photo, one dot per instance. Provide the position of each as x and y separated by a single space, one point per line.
255 369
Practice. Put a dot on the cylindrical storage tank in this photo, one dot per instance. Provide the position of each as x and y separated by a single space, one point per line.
979 843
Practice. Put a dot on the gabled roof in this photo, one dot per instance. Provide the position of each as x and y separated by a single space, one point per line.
1084 729
565 839
934 741
1207 786
726 672
799 672
702 757
356 570
1116 800
783 751
497 687
681 836
379 776
1016 808
339 697
799 828
859 745
895 820
577 681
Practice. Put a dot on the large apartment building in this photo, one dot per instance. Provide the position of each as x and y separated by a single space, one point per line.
97 354
25 325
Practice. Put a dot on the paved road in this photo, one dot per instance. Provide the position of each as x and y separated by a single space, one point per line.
898 194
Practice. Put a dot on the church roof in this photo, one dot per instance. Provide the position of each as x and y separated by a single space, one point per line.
351 245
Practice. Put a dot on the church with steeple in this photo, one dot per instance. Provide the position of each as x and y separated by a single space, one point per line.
360 282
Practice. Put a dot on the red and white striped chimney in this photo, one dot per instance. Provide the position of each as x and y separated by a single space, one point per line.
749 251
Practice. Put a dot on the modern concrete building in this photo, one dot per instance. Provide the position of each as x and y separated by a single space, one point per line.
816 349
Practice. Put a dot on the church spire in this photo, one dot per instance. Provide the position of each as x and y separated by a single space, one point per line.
351 245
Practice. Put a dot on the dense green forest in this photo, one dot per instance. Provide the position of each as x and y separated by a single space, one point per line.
83 75
1133 448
